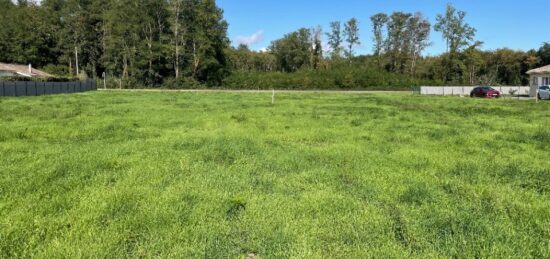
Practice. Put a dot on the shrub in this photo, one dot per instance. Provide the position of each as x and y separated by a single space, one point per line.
343 77
181 83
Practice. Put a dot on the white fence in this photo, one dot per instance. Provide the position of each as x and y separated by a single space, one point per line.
465 90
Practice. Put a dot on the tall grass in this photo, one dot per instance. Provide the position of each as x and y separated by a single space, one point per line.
312 176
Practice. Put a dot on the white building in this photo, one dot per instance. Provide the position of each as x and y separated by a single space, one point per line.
537 77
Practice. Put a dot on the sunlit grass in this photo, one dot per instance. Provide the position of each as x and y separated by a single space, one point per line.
314 175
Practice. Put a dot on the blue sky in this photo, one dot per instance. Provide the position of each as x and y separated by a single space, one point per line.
515 24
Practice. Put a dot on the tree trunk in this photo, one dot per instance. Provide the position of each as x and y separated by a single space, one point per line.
413 64
150 45
124 66
70 66
176 41
196 60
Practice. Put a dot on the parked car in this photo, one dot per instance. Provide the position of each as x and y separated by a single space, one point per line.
544 92
485 92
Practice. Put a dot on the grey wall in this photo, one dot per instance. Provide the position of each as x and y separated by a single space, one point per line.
21 88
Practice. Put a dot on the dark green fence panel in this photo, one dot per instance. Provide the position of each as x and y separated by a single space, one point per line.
48 88
70 88
55 88
9 89
31 88
40 88
20 88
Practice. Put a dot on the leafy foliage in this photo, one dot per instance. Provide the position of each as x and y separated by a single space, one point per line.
130 40
150 43
341 77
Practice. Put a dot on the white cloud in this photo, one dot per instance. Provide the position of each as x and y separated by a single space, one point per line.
257 37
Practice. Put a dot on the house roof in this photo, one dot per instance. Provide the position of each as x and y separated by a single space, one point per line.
540 70
23 70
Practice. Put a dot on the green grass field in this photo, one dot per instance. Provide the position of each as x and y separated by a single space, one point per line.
225 175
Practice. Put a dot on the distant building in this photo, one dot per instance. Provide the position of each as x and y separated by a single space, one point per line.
21 70
538 77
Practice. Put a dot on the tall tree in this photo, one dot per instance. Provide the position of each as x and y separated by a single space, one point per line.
335 39
124 46
544 53
458 34
293 51
6 30
398 42
473 61
155 30
379 21
351 33
206 41
178 30
317 52
81 34
418 33
455 30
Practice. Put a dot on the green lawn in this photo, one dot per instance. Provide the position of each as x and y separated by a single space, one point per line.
224 175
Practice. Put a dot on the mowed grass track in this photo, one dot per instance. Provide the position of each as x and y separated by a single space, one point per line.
224 175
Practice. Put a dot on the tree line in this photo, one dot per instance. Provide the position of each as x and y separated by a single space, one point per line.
139 42
399 41
184 43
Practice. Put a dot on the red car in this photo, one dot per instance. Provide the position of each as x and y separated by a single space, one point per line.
485 92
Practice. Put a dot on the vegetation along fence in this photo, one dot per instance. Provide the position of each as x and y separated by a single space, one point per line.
22 88
465 90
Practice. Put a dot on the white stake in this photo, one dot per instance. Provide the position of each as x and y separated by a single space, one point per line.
273 97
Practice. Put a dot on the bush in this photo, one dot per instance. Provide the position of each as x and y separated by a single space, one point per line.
345 77
56 69
181 83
